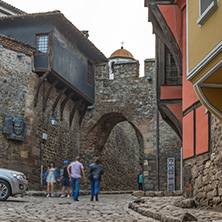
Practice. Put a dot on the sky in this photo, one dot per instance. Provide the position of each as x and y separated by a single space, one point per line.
109 22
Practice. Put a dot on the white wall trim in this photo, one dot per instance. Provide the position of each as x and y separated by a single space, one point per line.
187 40
209 73
207 59
199 86
208 12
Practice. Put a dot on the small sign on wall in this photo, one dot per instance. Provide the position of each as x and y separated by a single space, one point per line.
170 174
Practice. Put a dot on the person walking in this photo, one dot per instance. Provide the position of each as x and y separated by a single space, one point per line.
64 177
51 176
140 180
94 175
75 175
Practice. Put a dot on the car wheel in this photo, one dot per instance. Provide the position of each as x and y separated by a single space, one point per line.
4 190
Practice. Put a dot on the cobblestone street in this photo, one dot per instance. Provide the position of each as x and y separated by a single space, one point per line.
109 208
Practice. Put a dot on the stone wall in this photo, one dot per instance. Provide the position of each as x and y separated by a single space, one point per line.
18 88
122 158
128 98
203 174
124 113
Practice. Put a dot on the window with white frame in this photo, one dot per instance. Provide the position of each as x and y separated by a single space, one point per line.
206 9
42 43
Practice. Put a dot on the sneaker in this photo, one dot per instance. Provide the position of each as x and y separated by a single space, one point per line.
63 195
48 195
68 196
52 195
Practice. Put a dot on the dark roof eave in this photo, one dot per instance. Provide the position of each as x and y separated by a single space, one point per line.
11 8
91 50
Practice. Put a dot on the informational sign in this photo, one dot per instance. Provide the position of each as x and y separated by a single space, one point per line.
171 174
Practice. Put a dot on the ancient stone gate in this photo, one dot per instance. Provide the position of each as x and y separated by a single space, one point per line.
128 99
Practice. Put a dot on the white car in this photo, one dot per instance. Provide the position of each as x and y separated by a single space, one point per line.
12 183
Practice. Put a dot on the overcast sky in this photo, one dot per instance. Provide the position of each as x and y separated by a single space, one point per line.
109 22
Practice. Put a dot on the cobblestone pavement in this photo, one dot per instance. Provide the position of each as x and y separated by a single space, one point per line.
30 209
163 209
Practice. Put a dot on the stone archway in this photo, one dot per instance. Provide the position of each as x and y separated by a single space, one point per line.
120 146
122 158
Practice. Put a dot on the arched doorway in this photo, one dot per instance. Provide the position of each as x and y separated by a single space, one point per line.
119 144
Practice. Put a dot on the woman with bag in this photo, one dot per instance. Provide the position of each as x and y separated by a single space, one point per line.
51 176
94 175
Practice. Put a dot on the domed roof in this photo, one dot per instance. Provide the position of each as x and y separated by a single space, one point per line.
122 53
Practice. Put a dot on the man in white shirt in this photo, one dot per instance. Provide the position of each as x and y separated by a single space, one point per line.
75 175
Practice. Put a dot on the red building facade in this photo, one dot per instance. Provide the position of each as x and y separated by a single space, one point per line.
177 101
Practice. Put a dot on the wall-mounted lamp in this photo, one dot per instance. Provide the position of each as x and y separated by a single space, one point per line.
90 107
53 121
21 54
44 136
149 78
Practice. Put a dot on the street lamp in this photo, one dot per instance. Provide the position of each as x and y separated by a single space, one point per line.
53 121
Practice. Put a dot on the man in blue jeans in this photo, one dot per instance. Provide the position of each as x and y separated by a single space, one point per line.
94 175
75 175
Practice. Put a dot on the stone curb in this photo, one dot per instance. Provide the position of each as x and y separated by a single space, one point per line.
150 213
81 192
157 193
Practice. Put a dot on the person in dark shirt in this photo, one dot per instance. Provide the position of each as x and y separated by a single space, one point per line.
94 175
64 177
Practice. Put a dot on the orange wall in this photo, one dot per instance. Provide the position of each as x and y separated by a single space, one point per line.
176 19
173 17
177 111
171 92
188 135
201 130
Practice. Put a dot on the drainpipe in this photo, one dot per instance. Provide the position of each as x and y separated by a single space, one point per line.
181 169
157 148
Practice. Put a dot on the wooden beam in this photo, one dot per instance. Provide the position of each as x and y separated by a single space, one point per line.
211 85
171 119
147 3
48 93
42 78
64 103
162 29
74 111
170 102
82 115
58 98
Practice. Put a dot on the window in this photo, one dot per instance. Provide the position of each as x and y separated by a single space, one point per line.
171 73
42 43
206 9
90 73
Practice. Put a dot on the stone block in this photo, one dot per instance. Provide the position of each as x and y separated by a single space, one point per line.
188 217
216 200
168 193
149 193
148 151
177 193
138 193
187 203
159 193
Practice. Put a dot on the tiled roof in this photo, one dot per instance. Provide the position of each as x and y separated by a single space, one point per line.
16 45
10 7
83 43
123 53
